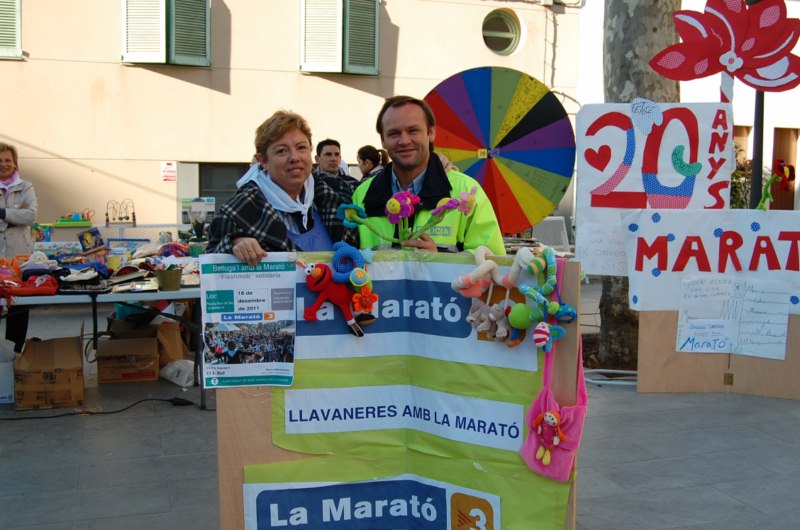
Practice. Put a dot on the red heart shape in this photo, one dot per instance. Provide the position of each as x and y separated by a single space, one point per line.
598 159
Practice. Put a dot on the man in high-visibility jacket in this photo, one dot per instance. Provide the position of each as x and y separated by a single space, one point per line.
407 128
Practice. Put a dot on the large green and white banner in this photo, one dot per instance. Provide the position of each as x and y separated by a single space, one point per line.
418 424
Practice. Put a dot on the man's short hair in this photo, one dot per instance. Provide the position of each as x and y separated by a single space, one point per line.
276 126
326 142
399 101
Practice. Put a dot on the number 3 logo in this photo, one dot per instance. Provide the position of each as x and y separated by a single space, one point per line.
470 513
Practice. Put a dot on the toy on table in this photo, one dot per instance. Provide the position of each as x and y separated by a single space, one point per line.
120 212
41 233
91 240
76 219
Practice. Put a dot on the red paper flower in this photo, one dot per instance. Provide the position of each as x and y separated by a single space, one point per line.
752 44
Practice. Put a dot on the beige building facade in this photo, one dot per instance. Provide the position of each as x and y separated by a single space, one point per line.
93 128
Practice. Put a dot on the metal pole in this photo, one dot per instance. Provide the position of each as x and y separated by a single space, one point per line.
758 142
758 151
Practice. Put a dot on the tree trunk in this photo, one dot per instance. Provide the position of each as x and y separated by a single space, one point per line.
634 31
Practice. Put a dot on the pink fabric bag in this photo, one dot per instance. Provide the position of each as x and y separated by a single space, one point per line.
554 432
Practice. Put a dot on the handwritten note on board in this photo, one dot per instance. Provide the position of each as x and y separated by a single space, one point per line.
603 244
721 314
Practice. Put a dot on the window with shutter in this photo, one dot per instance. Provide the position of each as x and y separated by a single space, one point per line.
190 33
361 37
143 35
166 32
339 36
10 23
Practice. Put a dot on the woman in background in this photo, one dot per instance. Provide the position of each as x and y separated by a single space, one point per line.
17 213
371 161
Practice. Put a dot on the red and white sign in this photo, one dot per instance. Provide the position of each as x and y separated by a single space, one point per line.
646 155
169 171
663 246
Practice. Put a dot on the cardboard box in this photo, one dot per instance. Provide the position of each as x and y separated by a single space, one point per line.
122 329
127 360
7 382
49 374
171 345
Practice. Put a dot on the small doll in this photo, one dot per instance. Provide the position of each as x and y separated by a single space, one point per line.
547 427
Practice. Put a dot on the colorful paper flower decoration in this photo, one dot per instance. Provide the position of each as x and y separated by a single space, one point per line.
753 44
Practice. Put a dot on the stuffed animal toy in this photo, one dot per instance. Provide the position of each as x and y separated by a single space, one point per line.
319 279
347 258
521 260
544 334
521 316
359 278
475 310
484 323
498 313
349 266
535 294
547 427
566 313
476 282
474 315
541 335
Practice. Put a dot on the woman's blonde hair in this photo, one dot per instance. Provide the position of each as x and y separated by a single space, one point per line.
9 147
276 126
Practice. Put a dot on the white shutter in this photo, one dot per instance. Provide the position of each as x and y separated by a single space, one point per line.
144 31
10 24
361 37
321 26
189 24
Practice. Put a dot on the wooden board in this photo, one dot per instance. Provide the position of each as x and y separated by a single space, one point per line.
663 369
244 437
244 420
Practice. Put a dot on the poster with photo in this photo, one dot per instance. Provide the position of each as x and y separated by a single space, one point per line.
248 321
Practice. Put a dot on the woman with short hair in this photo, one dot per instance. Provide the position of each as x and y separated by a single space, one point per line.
279 205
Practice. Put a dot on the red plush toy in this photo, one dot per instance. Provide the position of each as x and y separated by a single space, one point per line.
319 278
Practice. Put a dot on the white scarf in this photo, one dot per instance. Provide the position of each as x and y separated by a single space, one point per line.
275 195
